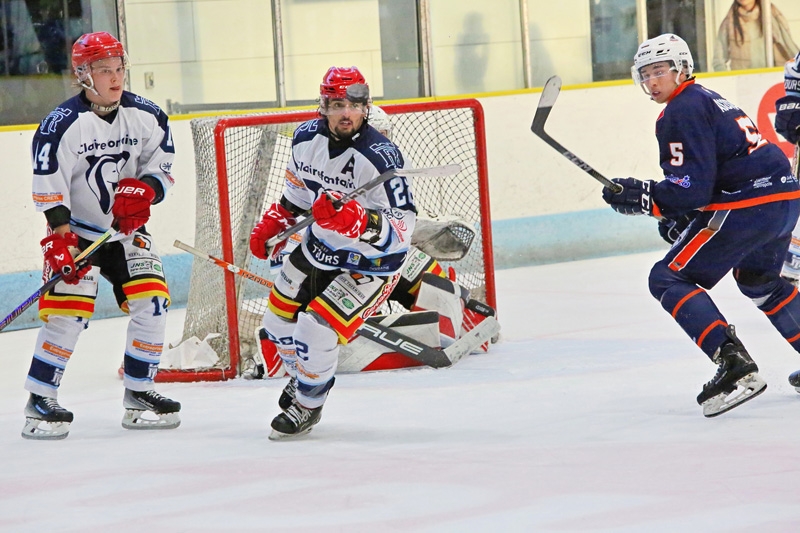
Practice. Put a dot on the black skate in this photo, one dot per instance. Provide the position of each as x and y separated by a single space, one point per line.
288 394
162 412
794 380
45 419
736 380
294 421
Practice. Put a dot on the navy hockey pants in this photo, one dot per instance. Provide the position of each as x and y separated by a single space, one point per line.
752 242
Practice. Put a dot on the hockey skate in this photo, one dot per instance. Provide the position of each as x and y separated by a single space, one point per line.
736 380
294 422
149 410
45 419
288 394
794 380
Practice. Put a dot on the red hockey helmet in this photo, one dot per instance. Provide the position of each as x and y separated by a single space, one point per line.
91 47
338 79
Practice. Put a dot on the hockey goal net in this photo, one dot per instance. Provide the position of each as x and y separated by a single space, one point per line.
240 165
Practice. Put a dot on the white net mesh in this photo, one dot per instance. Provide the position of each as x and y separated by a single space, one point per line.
257 156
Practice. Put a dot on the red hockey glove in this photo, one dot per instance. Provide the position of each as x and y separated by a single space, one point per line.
131 207
275 220
55 249
350 220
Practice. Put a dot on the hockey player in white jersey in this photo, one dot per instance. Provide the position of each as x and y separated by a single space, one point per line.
100 159
349 260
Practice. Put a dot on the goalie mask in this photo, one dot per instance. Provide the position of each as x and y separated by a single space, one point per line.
91 47
667 48
342 87
379 120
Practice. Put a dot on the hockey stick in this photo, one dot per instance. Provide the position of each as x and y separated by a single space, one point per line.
79 263
223 264
384 335
446 170
546 101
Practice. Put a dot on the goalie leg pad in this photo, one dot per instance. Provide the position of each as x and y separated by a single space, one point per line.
447 298
317 346
476 312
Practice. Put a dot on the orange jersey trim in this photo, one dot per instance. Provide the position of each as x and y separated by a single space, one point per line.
691 248
782 304
741 204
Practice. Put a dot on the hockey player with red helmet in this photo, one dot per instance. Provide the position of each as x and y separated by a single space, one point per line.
100 160
349 260
738 201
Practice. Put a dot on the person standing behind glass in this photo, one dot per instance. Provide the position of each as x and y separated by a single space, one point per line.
740 39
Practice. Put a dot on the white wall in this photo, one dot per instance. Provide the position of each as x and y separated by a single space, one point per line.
611 127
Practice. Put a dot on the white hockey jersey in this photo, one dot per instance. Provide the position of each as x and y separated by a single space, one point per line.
79 157
318 166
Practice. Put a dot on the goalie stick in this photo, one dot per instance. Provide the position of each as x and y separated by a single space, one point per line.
546 101
446 170
80 262
381 334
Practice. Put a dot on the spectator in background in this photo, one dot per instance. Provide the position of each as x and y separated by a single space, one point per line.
740 39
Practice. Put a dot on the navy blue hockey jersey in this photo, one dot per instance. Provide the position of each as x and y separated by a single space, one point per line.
714 158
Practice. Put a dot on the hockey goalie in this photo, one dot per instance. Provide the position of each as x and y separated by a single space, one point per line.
440 310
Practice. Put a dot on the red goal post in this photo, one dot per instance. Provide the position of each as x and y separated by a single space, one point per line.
240 163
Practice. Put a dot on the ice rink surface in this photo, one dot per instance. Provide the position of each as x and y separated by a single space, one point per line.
581 419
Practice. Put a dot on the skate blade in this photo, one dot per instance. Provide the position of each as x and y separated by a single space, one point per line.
38 429
135 419
277 435
747 388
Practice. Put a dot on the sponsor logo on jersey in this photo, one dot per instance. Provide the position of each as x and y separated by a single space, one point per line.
47 198
349 285
385 292
324 254
166 167
347 303
762 183
148 347
328 180
353 258
144 266
140 241
111 143
680 181
294 181
58 351
788 179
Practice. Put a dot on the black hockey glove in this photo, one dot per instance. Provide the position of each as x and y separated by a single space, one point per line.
634 199
787 119
670 229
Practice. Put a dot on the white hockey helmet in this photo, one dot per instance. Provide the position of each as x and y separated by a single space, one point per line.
667 47
379 120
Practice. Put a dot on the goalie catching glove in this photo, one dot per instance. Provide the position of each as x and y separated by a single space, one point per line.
131 207
349 220
55 249
275 220
634 198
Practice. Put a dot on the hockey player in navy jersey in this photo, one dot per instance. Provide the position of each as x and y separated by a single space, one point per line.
743 202
349 260
100 160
